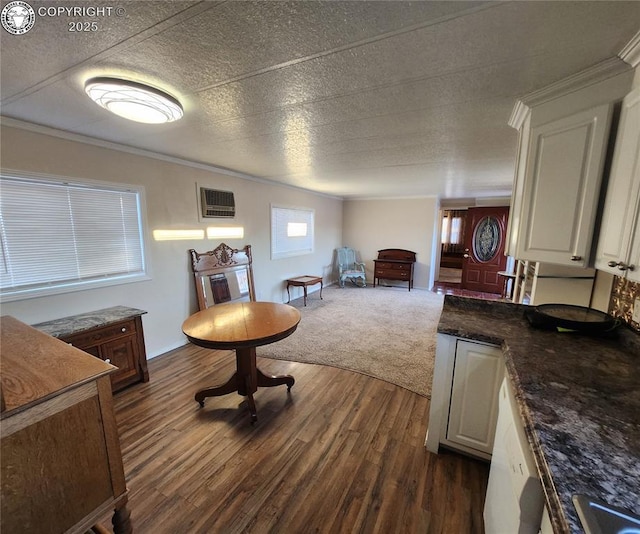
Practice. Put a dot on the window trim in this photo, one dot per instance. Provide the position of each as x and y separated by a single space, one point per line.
84 285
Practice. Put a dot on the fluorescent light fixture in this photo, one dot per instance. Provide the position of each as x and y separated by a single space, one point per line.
225 232
133 101
177 235
296 229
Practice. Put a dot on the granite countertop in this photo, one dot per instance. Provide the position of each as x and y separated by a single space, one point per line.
579 398
74 324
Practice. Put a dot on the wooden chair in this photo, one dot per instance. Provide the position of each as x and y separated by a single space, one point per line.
349 268
223 274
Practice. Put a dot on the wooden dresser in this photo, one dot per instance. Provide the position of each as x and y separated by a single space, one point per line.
394 264
61 468
113 334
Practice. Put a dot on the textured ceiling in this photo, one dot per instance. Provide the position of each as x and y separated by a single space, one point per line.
354 99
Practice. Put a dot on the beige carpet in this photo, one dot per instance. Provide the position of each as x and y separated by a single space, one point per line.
387 333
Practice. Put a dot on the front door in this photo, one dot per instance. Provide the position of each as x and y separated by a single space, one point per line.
484 257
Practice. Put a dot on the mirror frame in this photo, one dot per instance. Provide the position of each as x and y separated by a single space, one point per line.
221 260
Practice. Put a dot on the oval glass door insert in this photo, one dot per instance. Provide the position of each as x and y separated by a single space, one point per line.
486 239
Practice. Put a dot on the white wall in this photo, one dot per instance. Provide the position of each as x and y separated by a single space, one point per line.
371 225
171 203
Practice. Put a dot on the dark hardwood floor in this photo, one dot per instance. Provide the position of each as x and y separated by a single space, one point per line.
341 453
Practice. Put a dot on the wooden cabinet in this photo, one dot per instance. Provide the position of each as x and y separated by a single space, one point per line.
464 403
619 244
564 144
114 335
564 171
61 462
394 264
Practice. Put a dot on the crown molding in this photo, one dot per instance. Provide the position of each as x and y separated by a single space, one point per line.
631 52
598 73
79 138
518 115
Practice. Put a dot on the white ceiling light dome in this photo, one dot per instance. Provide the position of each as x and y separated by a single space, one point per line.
134 101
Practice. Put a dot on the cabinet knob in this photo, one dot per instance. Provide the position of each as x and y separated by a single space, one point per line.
107 360
612 263
576 258
465 255
623 266
123 329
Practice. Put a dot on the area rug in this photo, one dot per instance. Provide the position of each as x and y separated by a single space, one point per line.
384 332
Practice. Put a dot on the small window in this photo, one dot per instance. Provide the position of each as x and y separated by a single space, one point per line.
57 236
291 232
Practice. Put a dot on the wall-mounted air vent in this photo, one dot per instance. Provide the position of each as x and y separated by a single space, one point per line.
216 203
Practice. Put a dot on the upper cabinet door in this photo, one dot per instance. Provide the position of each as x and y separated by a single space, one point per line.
633 271
562 186
617 253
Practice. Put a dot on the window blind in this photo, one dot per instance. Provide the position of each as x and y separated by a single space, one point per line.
291 232
56 235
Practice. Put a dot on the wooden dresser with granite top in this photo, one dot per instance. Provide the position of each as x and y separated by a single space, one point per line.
113 334
61 468
394 264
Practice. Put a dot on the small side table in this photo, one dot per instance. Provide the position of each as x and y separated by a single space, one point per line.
506 290
304 282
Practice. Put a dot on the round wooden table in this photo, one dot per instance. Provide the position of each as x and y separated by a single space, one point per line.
242 326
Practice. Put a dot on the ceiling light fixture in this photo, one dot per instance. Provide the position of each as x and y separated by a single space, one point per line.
133 101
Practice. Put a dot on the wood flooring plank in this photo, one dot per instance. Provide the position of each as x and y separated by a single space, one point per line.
341 453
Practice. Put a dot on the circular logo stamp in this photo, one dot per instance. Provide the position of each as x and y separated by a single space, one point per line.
17 17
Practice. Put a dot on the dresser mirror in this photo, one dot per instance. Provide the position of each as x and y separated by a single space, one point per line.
223 275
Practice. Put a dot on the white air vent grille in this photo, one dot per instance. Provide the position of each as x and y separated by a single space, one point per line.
216 203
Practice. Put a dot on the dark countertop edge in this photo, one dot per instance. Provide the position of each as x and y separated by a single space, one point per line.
554 504
74 324
458 307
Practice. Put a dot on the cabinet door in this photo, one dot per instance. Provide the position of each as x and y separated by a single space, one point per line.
562 186
620 213
633 273
513 223
477 374
123 353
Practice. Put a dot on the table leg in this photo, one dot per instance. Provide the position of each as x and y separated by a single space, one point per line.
250 400
320 289
305 294
266 381
229 386
245 381
288 294
122 520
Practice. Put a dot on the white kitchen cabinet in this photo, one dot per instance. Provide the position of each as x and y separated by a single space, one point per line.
514 501
464 401
619 244
564 140
562 182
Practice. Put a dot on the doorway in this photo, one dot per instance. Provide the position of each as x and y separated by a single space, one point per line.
452 246
484 242
472 252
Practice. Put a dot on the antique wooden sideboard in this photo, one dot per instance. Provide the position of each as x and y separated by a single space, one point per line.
394 264
61 468
113 334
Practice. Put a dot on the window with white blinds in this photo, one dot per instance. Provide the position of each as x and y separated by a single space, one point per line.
58 236
291 231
